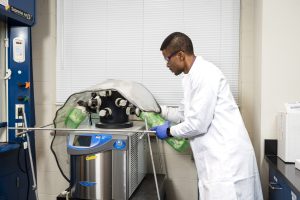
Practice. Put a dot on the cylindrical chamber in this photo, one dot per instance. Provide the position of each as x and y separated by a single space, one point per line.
92 176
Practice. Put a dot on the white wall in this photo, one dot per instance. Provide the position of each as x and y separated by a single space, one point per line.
50 182
182 184
280 63
246 94
277 65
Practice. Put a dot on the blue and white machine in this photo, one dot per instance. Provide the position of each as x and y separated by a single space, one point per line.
89 143
16 96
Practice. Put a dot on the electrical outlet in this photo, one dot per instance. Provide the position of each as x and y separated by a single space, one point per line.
19 111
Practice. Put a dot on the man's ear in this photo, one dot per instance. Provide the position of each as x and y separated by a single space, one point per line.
182 56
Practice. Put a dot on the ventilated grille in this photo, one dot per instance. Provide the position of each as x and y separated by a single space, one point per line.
137 165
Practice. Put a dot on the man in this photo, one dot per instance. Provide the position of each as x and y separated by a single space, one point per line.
210 119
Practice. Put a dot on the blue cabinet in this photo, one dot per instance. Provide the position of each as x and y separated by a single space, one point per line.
14 182
279 188
13 186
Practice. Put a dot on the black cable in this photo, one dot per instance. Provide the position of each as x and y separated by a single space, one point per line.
19 164
25 158
56 159
26 167
25 155
51 146
90 119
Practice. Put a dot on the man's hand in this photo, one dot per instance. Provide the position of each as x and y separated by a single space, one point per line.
161 131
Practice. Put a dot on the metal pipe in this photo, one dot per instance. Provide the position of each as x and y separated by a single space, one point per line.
46 125
152 161
160 160
111 131
34 186
6 80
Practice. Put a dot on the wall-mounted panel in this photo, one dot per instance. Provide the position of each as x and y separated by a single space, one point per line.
21 11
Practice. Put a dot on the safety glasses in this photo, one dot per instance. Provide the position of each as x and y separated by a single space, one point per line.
168 58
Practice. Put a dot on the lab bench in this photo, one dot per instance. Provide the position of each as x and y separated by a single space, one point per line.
284 178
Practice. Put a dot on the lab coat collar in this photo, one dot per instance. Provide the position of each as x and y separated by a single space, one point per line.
195 64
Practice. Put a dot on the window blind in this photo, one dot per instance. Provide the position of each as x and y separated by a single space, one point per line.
117 39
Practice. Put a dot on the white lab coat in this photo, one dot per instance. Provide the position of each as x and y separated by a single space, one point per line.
223 152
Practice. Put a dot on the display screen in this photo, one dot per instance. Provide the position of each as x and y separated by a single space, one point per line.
82 140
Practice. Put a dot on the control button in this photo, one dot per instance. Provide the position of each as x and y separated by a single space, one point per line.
25 85
23 98
119 144
21 84
20 98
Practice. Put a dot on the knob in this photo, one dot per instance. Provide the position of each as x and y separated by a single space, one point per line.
105 112
93 94
120 102
119 144
137 112
130 110
25 85
105 93
23 98
93 102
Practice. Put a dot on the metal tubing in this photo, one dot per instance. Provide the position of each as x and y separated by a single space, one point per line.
6 80
152 161
111 131
34 186
161 166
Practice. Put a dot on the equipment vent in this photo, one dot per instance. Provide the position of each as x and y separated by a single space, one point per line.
133 183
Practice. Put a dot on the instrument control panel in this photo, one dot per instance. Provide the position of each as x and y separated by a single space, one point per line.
88 143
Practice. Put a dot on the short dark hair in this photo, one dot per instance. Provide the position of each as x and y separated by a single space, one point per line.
178 42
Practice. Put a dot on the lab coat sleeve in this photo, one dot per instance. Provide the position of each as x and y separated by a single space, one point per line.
200 113
173 114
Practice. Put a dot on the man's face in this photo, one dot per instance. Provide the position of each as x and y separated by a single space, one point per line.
174 61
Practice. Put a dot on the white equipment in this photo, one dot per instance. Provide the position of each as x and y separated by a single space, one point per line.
297 164
288 133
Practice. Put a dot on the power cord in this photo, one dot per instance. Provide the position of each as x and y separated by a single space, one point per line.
19 164
25 157
56 159
26 167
